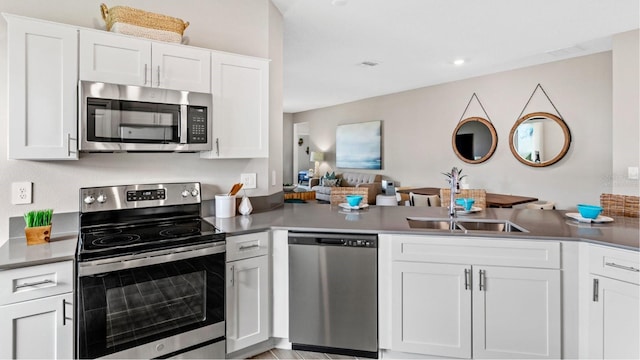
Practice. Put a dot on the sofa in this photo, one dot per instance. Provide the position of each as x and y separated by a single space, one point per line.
373 182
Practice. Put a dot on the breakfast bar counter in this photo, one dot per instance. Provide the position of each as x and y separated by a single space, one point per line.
623 232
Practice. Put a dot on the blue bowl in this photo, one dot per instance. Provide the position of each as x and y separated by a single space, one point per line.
354 200
467 203
589 211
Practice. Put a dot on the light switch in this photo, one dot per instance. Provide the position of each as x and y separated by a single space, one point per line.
632 173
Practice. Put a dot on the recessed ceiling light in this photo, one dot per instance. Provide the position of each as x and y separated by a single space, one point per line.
458 62
338 2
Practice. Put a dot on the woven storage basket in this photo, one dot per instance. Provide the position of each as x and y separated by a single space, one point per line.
479 195
136 22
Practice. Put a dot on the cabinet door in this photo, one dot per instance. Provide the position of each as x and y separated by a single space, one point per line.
431 309
181 68
614 318
516 313
43 79
115 59
37 329
247 302
240 87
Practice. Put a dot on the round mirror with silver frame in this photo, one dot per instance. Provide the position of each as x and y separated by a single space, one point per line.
539 139
474 140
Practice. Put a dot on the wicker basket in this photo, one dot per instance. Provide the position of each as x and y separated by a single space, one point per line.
136 22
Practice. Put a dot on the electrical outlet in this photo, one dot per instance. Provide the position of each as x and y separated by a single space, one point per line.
632 173
248 180
21 192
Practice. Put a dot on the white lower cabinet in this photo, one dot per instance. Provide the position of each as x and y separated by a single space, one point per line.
37 329
614 304
472 310
431 309
36 311
247 293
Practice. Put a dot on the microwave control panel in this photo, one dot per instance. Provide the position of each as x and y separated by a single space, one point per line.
197 125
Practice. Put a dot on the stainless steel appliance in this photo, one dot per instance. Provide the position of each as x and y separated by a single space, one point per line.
134 118
150 274
333 293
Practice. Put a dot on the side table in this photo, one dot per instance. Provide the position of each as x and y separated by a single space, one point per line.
301 195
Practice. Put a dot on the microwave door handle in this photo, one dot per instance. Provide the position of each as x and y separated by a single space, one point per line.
182 125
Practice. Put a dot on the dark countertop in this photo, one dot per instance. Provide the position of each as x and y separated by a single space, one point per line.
623 233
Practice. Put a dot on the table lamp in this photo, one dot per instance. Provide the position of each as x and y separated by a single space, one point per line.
316 157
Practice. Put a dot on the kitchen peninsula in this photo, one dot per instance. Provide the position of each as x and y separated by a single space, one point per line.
553 251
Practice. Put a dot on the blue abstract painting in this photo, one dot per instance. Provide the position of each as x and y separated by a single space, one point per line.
358 145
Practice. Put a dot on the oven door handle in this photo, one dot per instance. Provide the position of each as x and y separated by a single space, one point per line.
108 265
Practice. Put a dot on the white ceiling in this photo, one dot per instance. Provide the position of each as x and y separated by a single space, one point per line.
416 41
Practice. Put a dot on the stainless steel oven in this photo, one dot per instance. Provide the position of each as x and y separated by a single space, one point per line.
133 118
150 274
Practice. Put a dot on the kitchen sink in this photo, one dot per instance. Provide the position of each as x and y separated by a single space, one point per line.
490 225
464 225
438 224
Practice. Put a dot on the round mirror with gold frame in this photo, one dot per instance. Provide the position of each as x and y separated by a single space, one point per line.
474 140
539 139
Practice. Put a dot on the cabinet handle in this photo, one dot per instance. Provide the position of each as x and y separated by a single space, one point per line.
69 138
64 312
46 281
145 74
482 285
231 271
595 290
466 279
629 268
158 75
218 146
249 247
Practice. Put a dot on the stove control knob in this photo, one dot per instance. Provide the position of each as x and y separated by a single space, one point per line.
185 193
89 199
194 192
102 198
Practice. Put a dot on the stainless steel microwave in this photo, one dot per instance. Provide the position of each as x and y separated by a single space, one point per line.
117 118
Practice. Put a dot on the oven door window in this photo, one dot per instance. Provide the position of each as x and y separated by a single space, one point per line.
123 309
132 121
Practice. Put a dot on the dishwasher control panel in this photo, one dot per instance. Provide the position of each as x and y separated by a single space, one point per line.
360 243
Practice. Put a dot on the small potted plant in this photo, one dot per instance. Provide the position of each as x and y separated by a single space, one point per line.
38 226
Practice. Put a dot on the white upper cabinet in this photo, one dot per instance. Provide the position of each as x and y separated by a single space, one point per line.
121 59
43 78
240 87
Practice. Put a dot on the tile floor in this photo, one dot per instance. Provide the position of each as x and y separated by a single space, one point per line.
297 354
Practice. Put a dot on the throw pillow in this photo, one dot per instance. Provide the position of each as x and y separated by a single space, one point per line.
330 176
331 182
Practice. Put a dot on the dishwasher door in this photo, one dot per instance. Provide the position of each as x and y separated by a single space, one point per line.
333 296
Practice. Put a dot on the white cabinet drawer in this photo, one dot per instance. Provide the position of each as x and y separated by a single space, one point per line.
247 245
34 282
478 251
615 263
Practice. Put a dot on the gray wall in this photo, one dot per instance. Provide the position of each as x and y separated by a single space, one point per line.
249 27
626 111
418 125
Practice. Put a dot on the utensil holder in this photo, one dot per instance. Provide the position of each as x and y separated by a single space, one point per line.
225 206
38 235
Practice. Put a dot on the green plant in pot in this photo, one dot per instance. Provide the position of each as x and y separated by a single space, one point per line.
38 226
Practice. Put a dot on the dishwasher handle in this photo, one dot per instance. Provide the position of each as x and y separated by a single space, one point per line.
331 241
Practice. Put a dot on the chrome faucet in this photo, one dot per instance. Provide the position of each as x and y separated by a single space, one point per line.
454 178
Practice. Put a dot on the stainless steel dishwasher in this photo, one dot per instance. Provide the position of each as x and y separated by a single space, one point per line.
333 293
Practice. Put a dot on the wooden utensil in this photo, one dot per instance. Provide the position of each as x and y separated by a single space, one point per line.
236 188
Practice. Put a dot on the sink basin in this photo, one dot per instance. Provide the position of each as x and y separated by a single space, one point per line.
438 224
464 225
490 225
